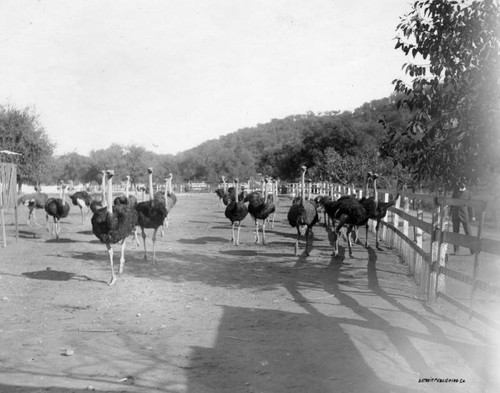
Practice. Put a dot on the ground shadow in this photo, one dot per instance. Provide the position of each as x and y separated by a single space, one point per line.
55 275
204 240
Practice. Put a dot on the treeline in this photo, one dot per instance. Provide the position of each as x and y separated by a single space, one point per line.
335 146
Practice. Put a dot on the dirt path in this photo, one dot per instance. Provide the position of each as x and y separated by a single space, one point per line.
212 317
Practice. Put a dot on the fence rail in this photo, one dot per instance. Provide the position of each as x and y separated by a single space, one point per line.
428 259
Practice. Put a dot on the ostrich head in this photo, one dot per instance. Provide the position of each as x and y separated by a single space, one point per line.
150 170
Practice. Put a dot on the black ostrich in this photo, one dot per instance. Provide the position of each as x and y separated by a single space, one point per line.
236 211
112 224
303 213
353 213
379 214
151 214
35 200
57 208
81 199
260 207
128 200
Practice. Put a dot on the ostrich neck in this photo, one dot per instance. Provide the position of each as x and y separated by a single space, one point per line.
265 193
151 187
126 190
110 195
103 190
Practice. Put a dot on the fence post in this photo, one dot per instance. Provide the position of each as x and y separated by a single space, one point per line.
384 219
438 249
418 233
406 248
476 264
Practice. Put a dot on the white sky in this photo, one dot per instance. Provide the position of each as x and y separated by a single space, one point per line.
176 73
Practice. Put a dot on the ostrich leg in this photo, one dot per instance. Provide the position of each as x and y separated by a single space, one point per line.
122 257
144 242
307 241
256 231
233 238
297 241
238 235
110 253
154 245
263 231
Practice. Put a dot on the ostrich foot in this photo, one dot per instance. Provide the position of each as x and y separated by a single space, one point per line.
112 282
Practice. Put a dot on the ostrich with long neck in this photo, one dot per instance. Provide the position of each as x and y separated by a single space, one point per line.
130 200
380 213
260 207
82 199
236 211
57 208
112 224
170 201
221 192
151 214
353 213
36 200
303 213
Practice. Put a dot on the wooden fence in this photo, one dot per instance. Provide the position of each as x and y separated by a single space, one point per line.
8 195
422 237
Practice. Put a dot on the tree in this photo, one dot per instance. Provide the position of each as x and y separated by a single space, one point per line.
454 97
21 132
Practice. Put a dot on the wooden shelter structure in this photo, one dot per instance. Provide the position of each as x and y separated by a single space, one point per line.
8 195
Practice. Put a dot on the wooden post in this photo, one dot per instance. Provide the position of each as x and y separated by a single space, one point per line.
419 241
384 228
476 263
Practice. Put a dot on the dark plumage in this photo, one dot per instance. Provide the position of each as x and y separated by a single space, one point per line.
352 212
379 214
303 213
236 211
151 214
260 207
57 208
81 199
113 224
36 200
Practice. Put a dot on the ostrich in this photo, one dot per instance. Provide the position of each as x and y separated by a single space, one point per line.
151 214
112 224
57 208
380 213
320 202
352 212
129 200
81 199
170 201
36 200
221 191
236 211
260 207
303 212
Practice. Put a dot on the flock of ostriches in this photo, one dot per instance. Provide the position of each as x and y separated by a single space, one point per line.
114 220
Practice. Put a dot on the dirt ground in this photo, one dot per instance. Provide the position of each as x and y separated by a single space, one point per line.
212 317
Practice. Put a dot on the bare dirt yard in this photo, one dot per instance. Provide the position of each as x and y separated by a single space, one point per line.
213 317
